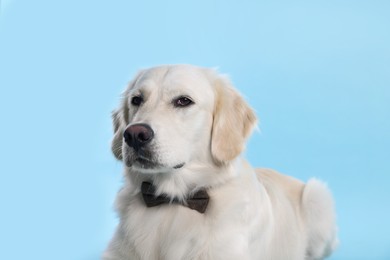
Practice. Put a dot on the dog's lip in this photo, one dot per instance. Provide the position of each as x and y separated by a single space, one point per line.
147 163
180 165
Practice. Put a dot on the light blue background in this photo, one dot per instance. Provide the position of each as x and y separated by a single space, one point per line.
317 73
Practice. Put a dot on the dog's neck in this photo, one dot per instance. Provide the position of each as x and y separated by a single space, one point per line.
182 183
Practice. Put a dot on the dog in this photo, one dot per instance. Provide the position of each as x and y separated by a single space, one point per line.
188 194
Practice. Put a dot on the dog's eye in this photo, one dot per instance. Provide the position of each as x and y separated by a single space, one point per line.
182 102
137 101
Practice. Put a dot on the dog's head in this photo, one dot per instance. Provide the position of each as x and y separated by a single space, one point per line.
175 116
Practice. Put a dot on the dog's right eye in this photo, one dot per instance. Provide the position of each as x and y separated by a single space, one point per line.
137 101
182 101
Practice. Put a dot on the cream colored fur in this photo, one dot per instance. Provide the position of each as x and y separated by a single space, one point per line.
252 213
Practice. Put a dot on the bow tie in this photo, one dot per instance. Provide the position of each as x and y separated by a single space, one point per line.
196 202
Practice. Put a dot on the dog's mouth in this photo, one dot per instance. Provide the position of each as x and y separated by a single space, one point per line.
148 165
145 163
141 159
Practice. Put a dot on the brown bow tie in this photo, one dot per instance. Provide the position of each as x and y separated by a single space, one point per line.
197 202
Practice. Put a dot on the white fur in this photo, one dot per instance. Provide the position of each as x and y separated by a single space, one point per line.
252 214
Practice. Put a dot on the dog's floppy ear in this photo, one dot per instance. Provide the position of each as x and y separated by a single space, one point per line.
233 122
120 119
119 127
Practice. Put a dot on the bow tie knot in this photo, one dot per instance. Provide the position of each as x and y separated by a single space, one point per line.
198 201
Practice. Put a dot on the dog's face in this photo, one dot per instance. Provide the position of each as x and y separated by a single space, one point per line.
175 116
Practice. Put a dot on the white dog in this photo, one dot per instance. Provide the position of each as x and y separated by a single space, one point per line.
188 195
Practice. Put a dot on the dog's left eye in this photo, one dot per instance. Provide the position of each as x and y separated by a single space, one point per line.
182 102
137 101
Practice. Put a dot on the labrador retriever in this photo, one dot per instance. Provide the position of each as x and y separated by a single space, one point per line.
188 194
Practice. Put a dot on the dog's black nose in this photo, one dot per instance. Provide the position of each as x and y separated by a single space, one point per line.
138 135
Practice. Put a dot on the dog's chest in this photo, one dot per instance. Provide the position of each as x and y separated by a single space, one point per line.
176 232
167 232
